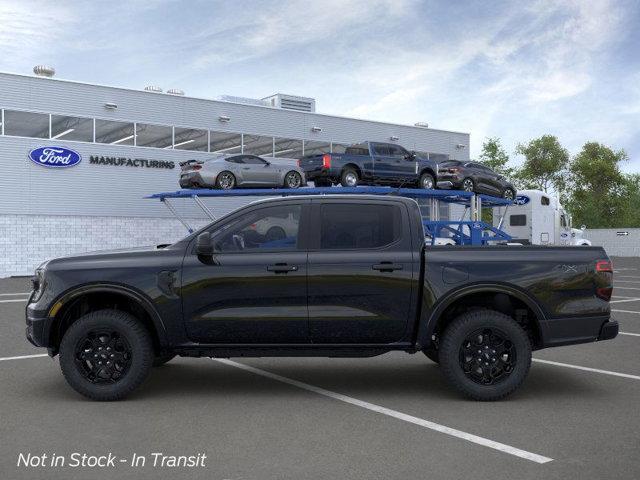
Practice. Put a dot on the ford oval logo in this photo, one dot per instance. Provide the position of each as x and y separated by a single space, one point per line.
55 157
521 200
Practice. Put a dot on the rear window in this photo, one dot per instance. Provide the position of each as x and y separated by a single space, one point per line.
357 150
348 225
517 220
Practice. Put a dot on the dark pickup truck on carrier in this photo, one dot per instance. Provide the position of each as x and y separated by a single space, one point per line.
351 277
371 163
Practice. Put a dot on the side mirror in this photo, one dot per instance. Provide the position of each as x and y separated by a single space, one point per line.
203 244
583 227
268 163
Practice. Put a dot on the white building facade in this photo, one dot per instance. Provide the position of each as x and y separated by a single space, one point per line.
130 143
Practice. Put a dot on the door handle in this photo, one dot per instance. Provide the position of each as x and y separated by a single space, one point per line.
246 168
282 268
387 266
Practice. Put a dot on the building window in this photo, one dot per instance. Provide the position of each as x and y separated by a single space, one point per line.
258 145
72 128
312 147
26 124
191 139
287 148
114 133
224 142
425 209
158 136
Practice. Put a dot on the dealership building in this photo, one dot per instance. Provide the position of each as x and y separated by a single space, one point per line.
129 144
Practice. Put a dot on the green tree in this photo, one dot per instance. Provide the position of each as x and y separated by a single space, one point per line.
631 202
599 191
495 157
545 164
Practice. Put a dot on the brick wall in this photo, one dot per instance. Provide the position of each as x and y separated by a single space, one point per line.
28 240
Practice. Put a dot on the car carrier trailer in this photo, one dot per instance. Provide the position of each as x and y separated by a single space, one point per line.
471 231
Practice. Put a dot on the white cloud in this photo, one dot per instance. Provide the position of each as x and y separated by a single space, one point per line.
29 31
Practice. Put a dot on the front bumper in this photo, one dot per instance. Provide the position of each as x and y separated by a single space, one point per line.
37 331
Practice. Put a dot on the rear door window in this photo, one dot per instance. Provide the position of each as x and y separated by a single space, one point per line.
359 226
381 150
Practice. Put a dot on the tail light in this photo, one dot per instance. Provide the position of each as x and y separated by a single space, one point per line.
326 161
604 270
299 163
196 167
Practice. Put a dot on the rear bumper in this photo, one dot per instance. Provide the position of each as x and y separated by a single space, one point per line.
570 331
192 180
609 330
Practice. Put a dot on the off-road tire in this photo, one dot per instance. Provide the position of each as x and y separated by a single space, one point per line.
457 334
127 327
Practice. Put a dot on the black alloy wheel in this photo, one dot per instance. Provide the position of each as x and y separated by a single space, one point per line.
485 354
293 180
103 356
106 354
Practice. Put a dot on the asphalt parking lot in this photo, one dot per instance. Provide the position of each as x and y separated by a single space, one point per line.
393 416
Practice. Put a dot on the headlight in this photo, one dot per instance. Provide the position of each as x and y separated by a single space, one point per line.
38 284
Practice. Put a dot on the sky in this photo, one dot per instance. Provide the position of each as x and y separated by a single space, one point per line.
513 70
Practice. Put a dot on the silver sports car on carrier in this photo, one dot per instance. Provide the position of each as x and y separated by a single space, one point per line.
231 171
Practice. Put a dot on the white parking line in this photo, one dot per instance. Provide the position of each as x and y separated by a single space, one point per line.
14 294
625 281
21 357
588 369
630 334
627 299
626 311
626 288
626 276
485 442
14 300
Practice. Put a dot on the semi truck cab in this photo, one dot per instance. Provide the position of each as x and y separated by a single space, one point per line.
537 218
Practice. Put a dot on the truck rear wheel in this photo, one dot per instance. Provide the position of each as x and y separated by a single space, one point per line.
485 354
106 354
349 178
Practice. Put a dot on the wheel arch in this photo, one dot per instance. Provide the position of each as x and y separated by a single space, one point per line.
79 301
512 301
354 167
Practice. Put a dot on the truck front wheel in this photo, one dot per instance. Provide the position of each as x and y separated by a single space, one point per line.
106 354
485 354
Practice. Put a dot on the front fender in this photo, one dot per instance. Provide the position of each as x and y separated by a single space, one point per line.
131 293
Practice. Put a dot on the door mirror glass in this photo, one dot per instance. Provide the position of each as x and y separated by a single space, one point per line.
204 245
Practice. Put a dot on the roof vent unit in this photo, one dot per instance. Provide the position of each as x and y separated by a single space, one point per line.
175 91
243 100
422 124
292 102
44 71
153 88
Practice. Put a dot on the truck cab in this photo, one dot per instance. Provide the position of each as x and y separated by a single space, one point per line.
537 218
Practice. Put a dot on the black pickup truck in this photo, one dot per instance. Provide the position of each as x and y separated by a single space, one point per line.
371 163
351 277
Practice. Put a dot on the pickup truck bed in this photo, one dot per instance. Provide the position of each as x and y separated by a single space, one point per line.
336 275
